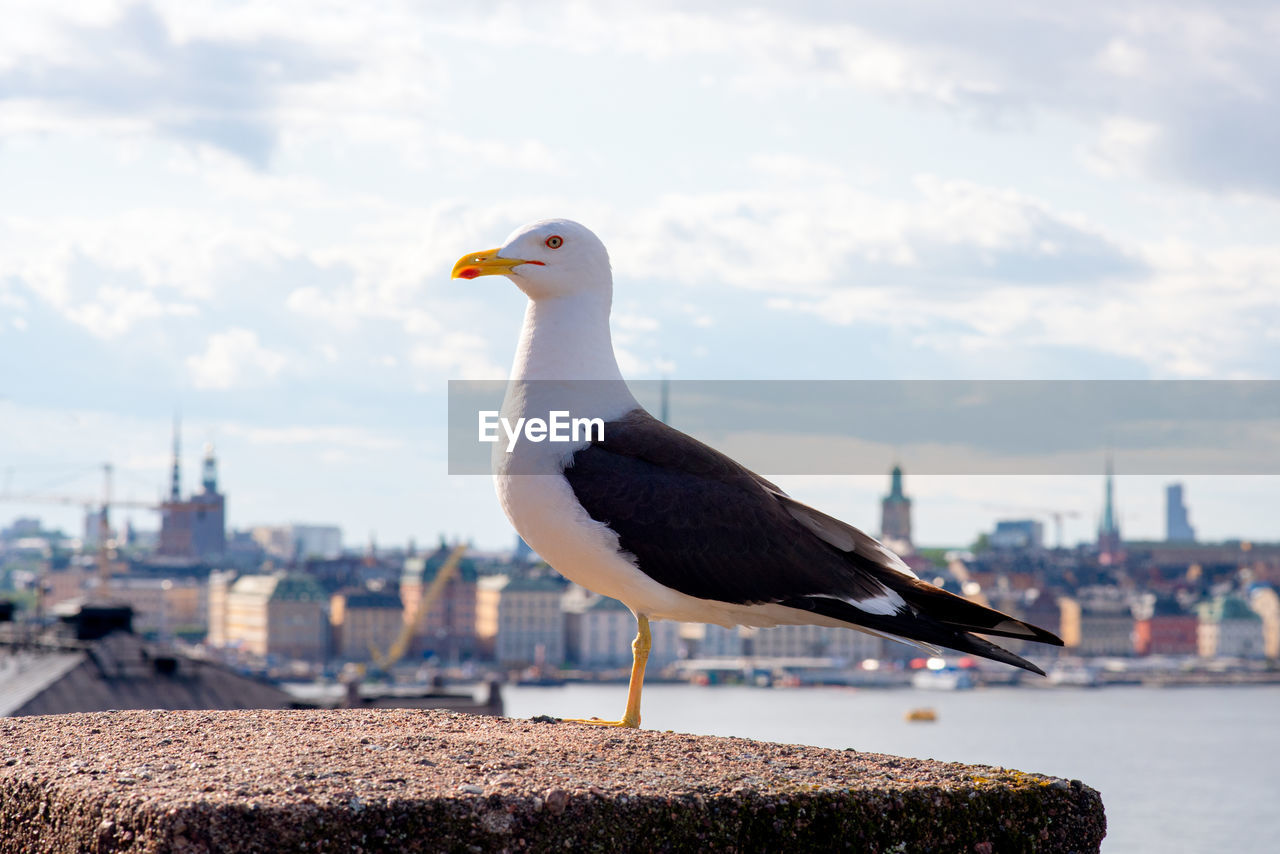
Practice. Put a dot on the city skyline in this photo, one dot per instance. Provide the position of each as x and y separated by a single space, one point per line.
242 212
1078 525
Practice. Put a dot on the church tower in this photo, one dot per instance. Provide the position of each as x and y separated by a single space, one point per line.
895 515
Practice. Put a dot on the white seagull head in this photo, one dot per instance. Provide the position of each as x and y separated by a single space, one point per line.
547 259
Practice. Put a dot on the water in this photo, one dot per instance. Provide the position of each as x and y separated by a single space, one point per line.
1185 769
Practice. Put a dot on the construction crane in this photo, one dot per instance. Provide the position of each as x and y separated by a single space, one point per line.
105 543
413 626
1056 514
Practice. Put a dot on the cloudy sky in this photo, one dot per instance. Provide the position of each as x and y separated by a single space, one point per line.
247 212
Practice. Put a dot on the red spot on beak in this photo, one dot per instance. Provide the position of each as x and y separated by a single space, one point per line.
468 272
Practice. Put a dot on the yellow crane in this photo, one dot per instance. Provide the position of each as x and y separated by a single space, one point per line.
414 624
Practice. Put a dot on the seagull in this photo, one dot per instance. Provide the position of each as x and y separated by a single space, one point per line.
669 526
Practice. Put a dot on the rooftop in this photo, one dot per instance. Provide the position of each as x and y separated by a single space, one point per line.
120 671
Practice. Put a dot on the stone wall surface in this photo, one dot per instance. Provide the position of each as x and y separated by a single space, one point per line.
365 780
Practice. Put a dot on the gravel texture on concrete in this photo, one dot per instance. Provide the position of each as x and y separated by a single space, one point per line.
414 780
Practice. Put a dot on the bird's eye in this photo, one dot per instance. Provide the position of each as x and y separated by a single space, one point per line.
555 241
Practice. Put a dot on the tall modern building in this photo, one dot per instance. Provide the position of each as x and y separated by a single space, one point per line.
1177 524
1109 528
194 528
895 515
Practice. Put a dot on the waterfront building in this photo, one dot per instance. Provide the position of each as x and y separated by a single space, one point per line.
706 640
1163 627
1177 524
448 628
1096 622
816 641
281 614
1266 604
1229 628
362 620
606 632
521 620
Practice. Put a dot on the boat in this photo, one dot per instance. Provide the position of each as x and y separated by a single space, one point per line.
924 714
944 679
1075 674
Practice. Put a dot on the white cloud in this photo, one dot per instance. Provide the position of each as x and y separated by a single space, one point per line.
811 238
351 438
234 358
463 355
116 310
1122 146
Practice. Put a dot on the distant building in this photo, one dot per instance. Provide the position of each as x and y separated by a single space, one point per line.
1109 545
448 628
363 620
1229 628
93 524
283 614
817 641
66 584
316 541
1177 525
24 526
1017 534
707 640
1265 602
1038 608
1163 627
1096 624
276 541
895 515
522 554
242 552
194 528
608 628
162 606
521 620
297 542
219 584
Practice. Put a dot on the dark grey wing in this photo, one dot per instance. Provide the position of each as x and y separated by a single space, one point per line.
700 523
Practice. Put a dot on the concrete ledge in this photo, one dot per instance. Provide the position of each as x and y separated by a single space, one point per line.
410 780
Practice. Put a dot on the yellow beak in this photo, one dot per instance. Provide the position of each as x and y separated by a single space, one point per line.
486 263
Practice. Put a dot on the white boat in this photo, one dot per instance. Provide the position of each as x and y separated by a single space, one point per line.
945 679
1074 674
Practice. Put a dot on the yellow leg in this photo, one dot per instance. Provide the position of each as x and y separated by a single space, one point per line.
639 657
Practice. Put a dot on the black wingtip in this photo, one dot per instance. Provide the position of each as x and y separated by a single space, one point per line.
914 626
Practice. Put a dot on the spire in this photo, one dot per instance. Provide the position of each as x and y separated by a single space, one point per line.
209 470
175 483
895 484
1109 545
1108 525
